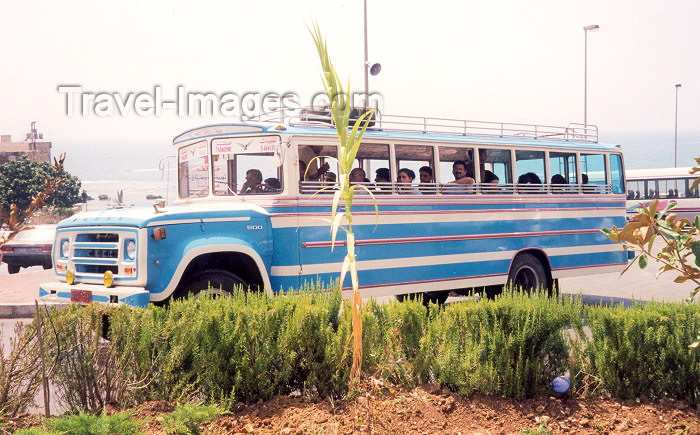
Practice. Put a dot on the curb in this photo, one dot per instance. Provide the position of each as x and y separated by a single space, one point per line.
22 311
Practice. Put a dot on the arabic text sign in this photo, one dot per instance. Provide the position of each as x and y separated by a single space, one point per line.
191 152
245 145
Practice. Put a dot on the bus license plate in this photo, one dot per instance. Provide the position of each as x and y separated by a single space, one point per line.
81 296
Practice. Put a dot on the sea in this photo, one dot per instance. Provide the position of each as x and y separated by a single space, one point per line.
136 170
141 169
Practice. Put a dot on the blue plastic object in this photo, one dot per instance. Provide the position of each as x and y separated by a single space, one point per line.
561 384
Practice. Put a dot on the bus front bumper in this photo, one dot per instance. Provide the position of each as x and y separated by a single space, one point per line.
93 293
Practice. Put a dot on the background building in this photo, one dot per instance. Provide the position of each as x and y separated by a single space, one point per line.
33 146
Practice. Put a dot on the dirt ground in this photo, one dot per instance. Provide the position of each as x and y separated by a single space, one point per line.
429 410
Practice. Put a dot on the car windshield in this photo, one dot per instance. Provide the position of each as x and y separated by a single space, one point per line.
36 234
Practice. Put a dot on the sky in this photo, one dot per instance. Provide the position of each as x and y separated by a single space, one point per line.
506 61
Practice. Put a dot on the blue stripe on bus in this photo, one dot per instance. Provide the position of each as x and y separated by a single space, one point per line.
406 275
288 240
414 250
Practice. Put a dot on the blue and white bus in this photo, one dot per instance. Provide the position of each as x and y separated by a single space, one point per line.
664 184
532 214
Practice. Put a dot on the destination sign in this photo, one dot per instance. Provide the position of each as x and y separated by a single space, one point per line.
245 145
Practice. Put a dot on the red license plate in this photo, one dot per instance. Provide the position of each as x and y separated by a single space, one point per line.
81 296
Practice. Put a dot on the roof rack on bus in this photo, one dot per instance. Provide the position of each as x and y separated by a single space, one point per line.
321 117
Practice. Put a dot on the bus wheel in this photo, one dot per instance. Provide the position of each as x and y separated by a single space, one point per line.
527 273
213 282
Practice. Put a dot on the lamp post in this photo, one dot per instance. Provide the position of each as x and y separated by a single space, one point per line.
675 136
592 28
366 63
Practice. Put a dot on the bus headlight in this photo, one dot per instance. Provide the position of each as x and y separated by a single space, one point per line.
65 248
131 249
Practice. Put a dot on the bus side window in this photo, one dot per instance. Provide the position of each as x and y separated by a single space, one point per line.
315 170
372 158
564 165
616 174
593 173
419 159
495 170
462 157
530 170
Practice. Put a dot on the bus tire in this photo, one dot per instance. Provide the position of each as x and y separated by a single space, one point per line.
12 269
527 273
217 283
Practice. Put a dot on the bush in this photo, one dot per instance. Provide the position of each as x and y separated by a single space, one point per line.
643 350
186 418
20 377
90 372
226 350
391 339
253 346
86 424
513 345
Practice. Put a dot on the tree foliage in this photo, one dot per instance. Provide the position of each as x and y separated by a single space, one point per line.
22 180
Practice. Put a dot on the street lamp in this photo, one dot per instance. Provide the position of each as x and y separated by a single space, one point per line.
675 137
374 70
366 62
592 28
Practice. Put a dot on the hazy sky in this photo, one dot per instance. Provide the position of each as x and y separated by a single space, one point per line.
510 61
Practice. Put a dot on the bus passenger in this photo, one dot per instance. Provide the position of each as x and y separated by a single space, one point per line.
304 176
253 182
425 174
459 170
486 175
529 178
587 189
426 177
559 179
490 177
404 180
357 175
271 185
383 179
329 179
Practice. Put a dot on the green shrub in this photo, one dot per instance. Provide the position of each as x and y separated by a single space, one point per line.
186 418
37 431
391 339
225 350
20 377
90 372
513 345
86 424
253 346
643 350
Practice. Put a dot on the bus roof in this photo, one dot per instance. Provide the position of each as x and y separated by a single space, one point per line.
658 173
415 129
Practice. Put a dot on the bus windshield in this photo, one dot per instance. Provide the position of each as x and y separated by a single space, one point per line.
246 166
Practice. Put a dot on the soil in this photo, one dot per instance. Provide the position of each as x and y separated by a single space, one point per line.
429 410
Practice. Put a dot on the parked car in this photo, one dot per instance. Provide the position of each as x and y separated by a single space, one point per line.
31 247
